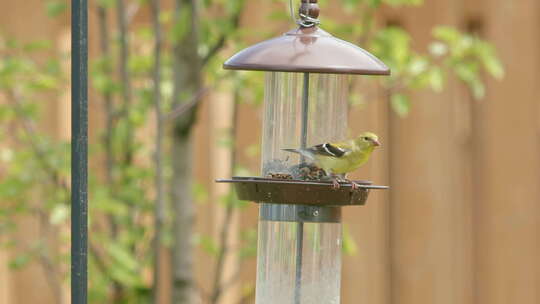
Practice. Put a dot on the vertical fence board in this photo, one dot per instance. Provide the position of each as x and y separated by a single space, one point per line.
202 175
365 276
428 243
221 116
5 286
248 137
508 214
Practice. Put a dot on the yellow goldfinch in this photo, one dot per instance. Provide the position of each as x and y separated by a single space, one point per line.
338 159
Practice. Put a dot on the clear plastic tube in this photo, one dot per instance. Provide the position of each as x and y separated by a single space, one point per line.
321 263
282 125
299 261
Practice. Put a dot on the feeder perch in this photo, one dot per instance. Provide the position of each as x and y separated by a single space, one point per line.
306 96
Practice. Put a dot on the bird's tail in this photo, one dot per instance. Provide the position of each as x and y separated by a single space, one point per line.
293 150
303 152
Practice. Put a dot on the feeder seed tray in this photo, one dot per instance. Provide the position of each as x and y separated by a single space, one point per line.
281 191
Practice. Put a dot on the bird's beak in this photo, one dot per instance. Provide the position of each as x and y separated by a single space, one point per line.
376 143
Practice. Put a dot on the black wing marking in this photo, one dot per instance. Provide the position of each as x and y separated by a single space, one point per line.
328 150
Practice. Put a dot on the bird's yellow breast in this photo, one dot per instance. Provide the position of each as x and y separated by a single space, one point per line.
345 164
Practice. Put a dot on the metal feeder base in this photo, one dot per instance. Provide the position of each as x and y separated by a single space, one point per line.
319 193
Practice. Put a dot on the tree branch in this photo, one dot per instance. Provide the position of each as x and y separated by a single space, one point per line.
125 77
29 129
98 258
107 96
108 108
159 216
218 289
187 81
367 25
246 297
230 282
111 116
185 107
220 43
132 11
50 270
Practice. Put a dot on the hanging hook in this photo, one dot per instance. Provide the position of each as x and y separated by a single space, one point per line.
309 11
307 21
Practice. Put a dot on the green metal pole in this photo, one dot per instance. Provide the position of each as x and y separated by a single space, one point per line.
79 151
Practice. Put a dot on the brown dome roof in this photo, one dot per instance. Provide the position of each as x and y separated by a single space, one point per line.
307 50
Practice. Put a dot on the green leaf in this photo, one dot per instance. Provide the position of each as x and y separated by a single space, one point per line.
38 45
55 8
400 104
200 193
374 3
392 46
242 171
43 82
404 2
253 150
418 65
233 7
438 49
349 244
182 27
249 240
478 89
467 72
208 244
141 64
493 66
106 3
126 278
21 260
350 5
53 67
59 214
122 257
436 79
230 199
6 113
166 17
446 33
104 84
225 141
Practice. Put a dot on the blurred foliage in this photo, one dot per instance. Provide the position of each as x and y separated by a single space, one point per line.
451 53
35 165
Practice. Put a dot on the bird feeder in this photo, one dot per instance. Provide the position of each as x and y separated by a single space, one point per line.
306 96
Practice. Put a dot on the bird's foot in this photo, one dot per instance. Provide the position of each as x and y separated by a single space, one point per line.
354 185
335 184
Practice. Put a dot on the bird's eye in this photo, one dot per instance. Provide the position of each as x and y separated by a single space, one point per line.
366 138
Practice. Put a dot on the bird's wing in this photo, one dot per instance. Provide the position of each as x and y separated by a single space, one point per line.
331 150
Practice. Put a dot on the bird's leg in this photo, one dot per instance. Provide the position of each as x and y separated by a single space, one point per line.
335 181
354 186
